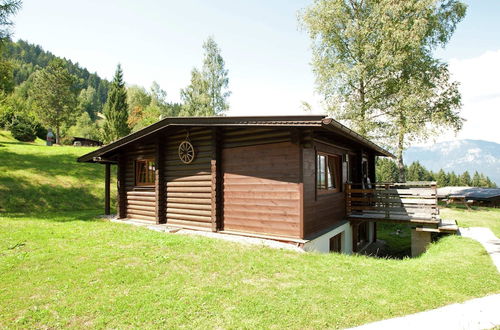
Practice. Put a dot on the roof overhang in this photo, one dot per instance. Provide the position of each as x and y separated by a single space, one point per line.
265 121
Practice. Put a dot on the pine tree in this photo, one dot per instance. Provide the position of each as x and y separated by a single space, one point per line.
7 9
116 109
477 180
465 179
442 178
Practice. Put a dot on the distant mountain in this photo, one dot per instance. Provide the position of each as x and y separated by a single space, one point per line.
459 156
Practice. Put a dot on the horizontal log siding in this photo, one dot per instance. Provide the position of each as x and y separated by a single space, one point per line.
140 201
321 210
261 188
189 186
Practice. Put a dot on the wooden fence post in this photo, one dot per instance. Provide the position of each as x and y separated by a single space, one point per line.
107 183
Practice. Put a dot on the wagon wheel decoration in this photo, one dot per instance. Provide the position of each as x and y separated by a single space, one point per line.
186 152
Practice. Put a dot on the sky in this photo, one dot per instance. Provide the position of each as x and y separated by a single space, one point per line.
266 52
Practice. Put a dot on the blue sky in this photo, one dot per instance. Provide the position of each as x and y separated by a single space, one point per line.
266 52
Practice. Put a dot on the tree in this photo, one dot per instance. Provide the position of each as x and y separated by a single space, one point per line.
6 76
88 101
465 179
195 97
216 75
416 172
116 109
84 127
7 9
387 170
477 180
207 93
53 95
442 178
374 65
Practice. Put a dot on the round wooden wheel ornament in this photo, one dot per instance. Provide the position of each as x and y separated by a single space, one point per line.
186 152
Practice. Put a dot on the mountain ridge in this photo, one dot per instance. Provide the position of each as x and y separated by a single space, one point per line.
459 156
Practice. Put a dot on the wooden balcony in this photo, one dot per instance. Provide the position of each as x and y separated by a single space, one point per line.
412 202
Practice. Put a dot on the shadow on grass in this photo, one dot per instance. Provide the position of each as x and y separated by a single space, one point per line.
60 216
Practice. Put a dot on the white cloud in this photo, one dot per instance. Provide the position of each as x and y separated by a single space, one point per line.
480 87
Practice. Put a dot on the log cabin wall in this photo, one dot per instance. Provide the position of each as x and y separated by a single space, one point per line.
321 210
140 200
189 192
261 182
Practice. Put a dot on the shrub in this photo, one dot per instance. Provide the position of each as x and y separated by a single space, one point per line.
22 129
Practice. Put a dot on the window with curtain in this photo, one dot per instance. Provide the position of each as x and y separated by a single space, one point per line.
145 172
328 173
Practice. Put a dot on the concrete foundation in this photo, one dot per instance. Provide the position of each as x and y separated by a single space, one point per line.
419 242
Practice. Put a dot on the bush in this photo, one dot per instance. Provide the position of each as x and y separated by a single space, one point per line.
22 129
41 131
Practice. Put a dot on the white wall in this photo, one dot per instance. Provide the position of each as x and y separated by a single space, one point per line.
321 244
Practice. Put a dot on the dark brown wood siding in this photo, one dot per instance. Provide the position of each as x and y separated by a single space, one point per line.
189 186
140 201
321 210
261 191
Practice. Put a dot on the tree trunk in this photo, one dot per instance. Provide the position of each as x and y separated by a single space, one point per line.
57 134
362 126
399 157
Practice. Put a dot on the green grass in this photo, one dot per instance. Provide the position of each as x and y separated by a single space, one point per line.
61 267
398 244
36 178
69 270
477 217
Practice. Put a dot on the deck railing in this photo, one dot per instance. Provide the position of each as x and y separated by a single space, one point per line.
411 201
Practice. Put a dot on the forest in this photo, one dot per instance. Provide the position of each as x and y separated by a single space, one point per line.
387 171
41 91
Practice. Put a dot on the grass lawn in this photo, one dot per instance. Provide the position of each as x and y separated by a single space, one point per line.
64 268
35 178
477 217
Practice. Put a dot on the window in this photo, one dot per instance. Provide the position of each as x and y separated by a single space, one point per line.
336 243
328 173
145 172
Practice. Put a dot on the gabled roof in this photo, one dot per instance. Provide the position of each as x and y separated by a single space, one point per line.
269 121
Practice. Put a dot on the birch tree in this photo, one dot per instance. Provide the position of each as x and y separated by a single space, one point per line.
374 65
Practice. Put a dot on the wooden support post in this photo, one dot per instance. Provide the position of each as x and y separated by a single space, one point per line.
355 226
107 183
160 199
216 180
122 193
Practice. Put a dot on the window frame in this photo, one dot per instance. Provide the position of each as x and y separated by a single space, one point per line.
336 160
147 161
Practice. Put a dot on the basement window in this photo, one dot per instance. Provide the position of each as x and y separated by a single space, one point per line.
145 172
328 173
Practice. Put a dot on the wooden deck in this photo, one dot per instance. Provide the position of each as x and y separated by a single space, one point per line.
414 203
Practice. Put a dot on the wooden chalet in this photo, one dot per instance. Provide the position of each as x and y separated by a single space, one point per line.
283 178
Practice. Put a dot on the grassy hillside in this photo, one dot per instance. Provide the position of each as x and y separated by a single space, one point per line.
37 178
65 268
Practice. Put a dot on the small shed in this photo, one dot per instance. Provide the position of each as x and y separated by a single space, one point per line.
279 178
84 142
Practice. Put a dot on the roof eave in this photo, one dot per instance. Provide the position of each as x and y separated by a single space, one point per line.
335 126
